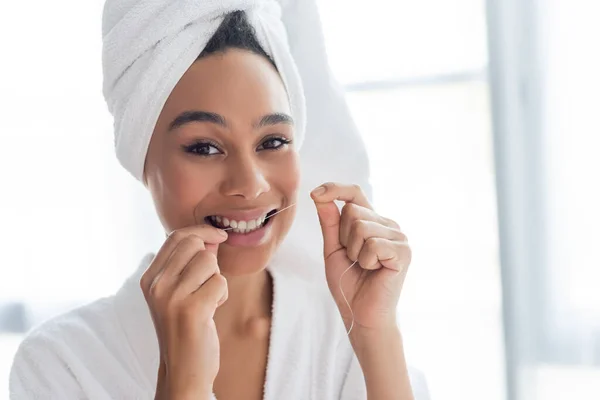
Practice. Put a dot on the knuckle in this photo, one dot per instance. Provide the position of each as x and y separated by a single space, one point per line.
360 227
346 208
363 259
402 247
190 239
205 258
156 291
176 236
390 222
144 283
195 241
371 244
217 284
350 209
199 258
226 294
221 282
402 236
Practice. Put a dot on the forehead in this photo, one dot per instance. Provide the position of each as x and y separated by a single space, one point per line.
237 84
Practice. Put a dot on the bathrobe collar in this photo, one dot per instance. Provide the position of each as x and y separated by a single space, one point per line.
289 302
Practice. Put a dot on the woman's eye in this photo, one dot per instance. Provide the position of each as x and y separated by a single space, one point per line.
203 149
273 143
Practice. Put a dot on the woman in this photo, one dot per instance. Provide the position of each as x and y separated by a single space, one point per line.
211 314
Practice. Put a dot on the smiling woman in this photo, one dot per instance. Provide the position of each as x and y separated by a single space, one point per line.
212 314
237 142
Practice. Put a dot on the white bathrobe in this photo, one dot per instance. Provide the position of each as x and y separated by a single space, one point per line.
108 349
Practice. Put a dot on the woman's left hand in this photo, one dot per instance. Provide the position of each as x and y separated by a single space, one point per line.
373 285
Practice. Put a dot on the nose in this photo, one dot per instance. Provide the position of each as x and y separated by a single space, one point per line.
245 178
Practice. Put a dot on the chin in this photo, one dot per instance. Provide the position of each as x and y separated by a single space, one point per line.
236 261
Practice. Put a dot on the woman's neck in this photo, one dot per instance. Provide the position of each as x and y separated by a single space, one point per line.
248 307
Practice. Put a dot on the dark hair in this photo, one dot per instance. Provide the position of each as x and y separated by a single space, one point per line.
235 32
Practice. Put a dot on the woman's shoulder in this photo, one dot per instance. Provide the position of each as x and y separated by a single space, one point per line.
79 323
48 360
94 320
98 350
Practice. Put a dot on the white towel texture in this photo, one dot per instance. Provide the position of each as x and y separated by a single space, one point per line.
149 44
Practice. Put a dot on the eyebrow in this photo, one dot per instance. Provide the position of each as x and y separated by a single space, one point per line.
274 119
214 118
197 116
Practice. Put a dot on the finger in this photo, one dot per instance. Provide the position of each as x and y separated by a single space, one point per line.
377 253
183 253
362 230
331 191
329 214
209 234
165 278
352 212
199 270
211 294
329 219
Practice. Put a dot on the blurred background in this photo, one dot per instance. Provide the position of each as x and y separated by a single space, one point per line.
480 119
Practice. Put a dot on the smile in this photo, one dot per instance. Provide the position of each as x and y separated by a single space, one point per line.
240 226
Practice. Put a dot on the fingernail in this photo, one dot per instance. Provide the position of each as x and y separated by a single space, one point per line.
319 190
222 232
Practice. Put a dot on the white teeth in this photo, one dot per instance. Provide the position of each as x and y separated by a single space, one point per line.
239 226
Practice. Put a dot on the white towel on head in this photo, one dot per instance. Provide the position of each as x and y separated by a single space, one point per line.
149 44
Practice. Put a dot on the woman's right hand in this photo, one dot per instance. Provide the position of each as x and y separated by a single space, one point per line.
183 287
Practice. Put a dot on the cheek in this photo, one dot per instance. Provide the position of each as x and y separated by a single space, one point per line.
176 189
286 175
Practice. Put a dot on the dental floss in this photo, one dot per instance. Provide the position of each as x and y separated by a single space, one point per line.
345 299
341 276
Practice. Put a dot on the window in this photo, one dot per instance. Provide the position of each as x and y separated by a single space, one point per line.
545 83
572 128
416 80
60 177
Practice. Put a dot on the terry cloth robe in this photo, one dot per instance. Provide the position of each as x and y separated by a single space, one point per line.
108 349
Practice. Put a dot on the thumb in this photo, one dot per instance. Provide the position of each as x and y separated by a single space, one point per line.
329 219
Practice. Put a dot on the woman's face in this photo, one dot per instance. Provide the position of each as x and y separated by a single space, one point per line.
221 153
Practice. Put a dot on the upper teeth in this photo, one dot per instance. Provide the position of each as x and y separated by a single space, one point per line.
239 226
